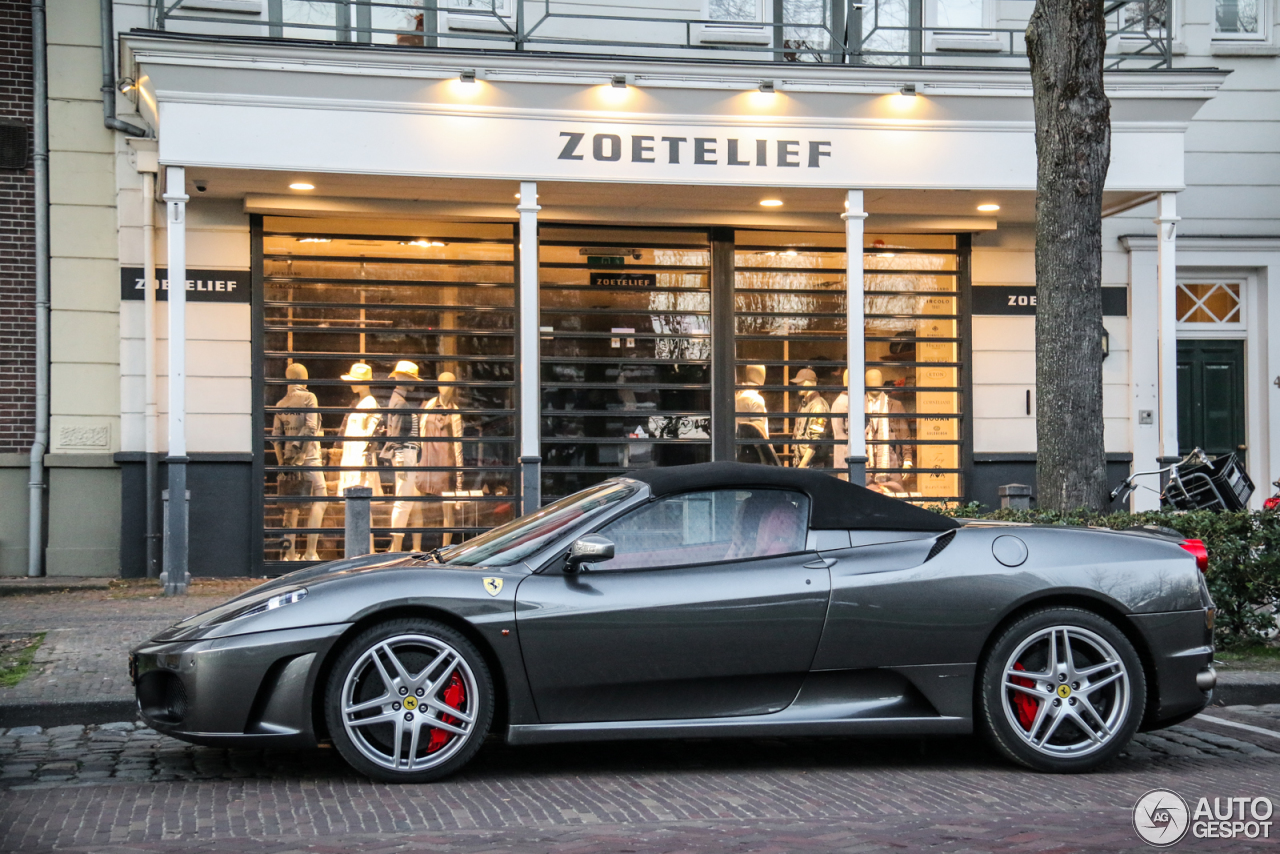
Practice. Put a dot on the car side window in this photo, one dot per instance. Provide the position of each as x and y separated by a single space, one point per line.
706 527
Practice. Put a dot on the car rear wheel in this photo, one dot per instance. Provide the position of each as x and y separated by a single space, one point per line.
1062 690
409 701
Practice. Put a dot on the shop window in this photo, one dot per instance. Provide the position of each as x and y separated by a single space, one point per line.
1205 304
626 353
481 16
387 363
732 22
1238 19
790 353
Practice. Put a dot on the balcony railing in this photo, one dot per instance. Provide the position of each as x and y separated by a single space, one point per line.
949 33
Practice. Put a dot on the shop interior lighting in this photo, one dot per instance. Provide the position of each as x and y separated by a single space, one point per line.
989 208
768 88
910 90
619 81
315 240
771 203
422 241
468 76
301 185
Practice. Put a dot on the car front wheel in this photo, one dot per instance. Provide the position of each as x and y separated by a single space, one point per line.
1062 690
409 701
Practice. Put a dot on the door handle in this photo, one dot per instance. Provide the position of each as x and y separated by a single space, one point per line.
821 563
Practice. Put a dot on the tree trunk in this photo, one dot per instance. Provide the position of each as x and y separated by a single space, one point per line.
1066 40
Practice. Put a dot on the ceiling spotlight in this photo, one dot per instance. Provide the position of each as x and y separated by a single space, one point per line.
301 185
989 208
910 90
468 76
771 203
126 85
619 81
768 88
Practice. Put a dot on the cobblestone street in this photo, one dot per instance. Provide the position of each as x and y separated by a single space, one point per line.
118 788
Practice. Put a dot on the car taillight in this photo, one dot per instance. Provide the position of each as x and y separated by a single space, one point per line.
1196 547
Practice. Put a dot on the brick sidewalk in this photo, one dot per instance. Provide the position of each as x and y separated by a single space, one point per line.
89 633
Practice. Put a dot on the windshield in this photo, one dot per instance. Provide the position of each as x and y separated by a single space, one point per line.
516 540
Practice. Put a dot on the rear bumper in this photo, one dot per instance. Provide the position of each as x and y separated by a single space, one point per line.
1181 645
246 690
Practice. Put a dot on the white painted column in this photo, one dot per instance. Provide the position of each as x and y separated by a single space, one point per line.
854 220
1144 371
175 576
150 408
1167 295
529 362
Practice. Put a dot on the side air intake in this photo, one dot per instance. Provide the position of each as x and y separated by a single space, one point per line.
940 544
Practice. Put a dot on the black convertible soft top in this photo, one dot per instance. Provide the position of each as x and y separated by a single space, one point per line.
834 504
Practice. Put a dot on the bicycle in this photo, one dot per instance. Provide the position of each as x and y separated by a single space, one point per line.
1197 482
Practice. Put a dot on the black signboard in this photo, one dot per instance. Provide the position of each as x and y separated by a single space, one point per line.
625 280
1021 299
202 285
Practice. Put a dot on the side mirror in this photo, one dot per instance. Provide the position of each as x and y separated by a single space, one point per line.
592 548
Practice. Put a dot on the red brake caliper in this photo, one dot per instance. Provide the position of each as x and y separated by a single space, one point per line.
1025 706
454 696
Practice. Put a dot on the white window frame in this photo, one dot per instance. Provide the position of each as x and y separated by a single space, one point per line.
977 40
1133 42
461 21
735 32
1264 24
1235 329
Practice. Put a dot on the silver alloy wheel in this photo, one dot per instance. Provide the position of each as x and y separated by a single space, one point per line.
1080 684
392 728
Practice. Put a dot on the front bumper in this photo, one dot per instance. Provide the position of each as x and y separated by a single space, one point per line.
253 689
1181 645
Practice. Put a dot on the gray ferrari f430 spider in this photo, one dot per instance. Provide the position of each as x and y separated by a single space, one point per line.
709 600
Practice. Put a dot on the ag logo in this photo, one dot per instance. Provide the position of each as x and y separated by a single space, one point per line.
1161 818
493 585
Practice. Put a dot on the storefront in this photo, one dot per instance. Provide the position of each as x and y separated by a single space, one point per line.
475 290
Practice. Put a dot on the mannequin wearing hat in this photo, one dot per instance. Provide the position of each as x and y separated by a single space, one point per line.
814 424
355 426
750 400
888 439
439 426
402 425
840 426
301 452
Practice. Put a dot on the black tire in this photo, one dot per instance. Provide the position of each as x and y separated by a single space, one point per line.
446 672
1069 713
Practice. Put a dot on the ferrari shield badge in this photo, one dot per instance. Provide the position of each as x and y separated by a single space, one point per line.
493 585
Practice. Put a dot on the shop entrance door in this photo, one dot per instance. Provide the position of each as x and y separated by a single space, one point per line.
1211 397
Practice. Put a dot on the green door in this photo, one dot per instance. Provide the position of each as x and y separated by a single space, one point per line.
1211 396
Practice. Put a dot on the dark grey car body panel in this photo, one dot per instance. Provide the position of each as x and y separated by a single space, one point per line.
866 632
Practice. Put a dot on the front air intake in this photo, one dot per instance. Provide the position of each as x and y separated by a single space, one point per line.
940 544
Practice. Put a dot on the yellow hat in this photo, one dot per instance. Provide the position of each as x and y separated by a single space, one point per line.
405 371
360 373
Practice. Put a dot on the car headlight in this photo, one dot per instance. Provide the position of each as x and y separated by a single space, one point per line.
289 597
255 605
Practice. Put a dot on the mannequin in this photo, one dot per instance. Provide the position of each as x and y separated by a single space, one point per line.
750 400
892 435
840 426
357 454
438 423
304 454
813 425
403 423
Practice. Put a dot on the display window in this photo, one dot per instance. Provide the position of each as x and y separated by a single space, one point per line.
790 354
626 353
387 362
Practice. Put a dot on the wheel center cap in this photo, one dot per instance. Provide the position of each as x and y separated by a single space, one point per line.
1064 691
411 703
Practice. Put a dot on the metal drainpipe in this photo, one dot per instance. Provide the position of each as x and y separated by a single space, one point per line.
109 73
40 160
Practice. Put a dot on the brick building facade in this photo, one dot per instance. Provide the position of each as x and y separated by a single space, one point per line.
17 241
